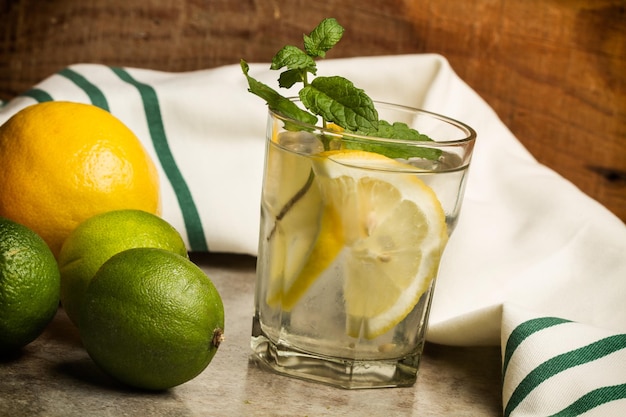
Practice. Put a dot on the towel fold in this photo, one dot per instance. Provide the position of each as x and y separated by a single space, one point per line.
533 264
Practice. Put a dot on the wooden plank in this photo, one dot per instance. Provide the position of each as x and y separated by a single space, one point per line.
553 70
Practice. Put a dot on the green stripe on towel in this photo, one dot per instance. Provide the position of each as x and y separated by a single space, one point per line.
191 218
562 362
37 94
521 332
96 96
593 399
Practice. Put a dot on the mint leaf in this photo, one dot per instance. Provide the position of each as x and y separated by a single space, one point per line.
290 77
399 131
293 58
323 38
274 100
337 100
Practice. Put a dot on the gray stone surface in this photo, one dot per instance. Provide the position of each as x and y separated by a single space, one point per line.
54 376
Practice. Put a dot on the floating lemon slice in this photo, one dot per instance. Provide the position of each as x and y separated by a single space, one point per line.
394 229
306 259
302 237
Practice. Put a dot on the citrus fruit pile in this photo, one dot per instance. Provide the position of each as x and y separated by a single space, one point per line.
100 237
80 225
146 314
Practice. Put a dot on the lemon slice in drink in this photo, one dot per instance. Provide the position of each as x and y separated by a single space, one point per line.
304 264
394 230
301 237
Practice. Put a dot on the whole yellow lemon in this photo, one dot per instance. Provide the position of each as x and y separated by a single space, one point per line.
65 162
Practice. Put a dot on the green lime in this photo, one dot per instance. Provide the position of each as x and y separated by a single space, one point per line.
29 285
98 238
151 318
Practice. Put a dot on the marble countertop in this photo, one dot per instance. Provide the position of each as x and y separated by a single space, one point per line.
54 376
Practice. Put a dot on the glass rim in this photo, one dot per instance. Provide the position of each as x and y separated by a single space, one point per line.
470 133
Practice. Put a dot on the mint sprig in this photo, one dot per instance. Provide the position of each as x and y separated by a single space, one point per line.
335 99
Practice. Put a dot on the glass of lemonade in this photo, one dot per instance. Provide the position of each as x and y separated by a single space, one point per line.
352 232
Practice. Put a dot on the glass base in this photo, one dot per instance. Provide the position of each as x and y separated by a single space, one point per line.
339 372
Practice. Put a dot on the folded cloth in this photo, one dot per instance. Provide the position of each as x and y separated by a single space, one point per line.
525 237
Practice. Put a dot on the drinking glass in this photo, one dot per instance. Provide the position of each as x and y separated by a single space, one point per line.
352 232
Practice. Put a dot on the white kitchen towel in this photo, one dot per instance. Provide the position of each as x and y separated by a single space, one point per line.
560 368
525 235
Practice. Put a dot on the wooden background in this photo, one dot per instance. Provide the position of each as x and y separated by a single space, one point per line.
554 70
